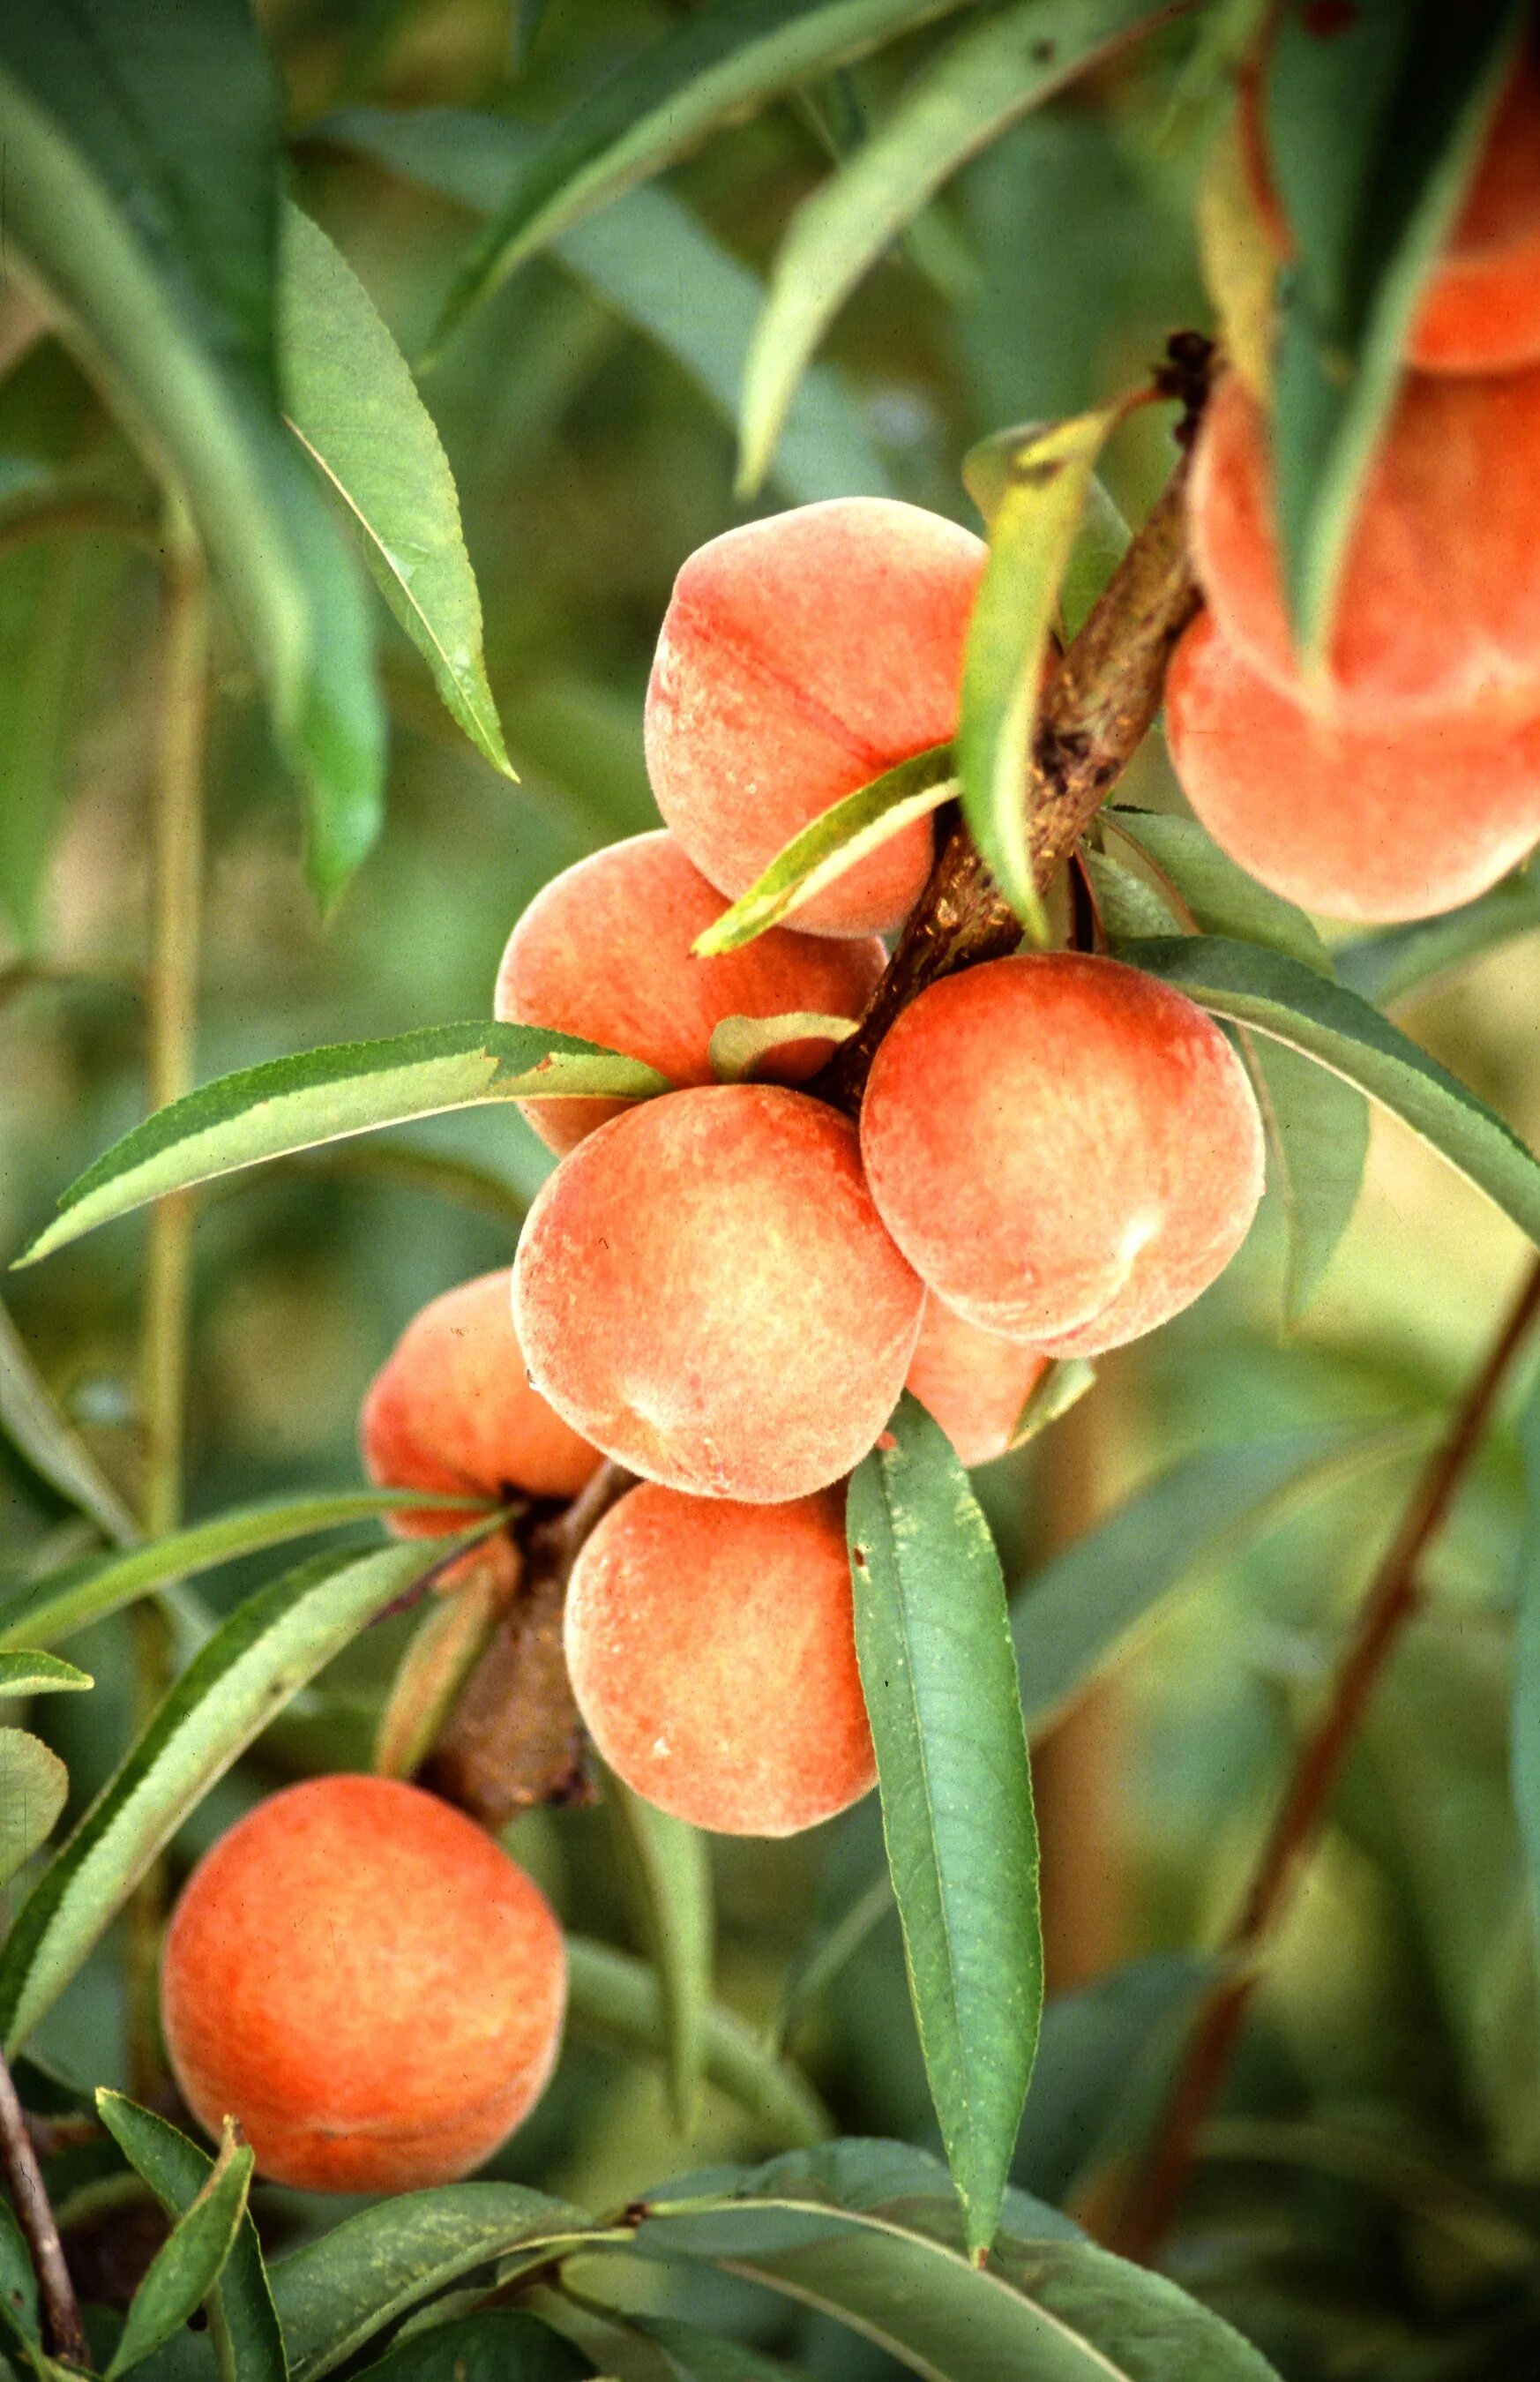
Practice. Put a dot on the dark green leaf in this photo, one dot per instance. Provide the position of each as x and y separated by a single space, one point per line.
740 1045
39 1675
141 189
1030 538
1261 988
1083 2104
177 2171
82 1593
17 2281
189 2264
724 59
1085 1606
670 1868
934 1643
649 260
1386 967
833 842
34 1788
495 2345
270 1647
354 407
346 1088
1220 898
1372 134
991 74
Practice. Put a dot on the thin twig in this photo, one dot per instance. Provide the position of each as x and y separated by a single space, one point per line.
63 2332
1392 1600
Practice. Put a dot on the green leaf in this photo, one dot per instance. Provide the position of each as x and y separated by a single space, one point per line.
615 1999
337 2292
1261 988
831 844
17 2281
494 2345
1097 2045
268 1649
815 1971
141 181
51 603
1085 1605
31 1674
345 1087
724 60
38 1428
1100 541
1386 967
1030 538
34 1788
1525 1755
1218 897
989 76
652 262
740 1045
933 1638
1318 1135
354 407
669 1868
1373 135
186 2267
449 1640
82 1592
1061 1385
177 2171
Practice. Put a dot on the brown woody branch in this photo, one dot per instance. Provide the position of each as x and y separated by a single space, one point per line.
1392 1600
63 2332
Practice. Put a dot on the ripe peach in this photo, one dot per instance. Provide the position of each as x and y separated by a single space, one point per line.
1480 310
972 1382
367 1983
452 1408
1380 823
800 657
1067 1151
704 1290
1438 602
605 951
712 1653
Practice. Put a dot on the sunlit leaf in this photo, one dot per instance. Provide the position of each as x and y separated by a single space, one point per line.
39 1675
740 1045
34 1787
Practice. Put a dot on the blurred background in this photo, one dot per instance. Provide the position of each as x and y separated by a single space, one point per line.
1369 2201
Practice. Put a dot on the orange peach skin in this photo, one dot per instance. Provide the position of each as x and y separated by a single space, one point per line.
704 1290
1438 602
799 658
605 951
1067 1151
1371 823
452 1408
367 1983
973 1383
712 1653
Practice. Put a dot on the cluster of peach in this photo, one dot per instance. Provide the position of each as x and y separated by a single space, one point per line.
1406 778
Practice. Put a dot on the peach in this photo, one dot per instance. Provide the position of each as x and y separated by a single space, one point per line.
800 657
704 1290
1480 308
712 1651
1438 602
366 1982
972 1382
1067 1151
453 1408
1377 823
605 951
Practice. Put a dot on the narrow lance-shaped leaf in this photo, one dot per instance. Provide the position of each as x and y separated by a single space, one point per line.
354 407
177 2171
450 1641
36 1425
670 1873
268 1649
741 1045
1217 897
1030 541
318 1096
1372 134
723 60
491 2345
186 2266
1325 1022
1386 968
989 76
822 852
940 1678
34 1788
39 1675
1525 1755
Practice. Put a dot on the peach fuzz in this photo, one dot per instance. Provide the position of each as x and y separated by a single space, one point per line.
704 1290
712 1653
605 951
973 1383
1438 601
367 1983
1067 1151
453 1408
800 657
1374 824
